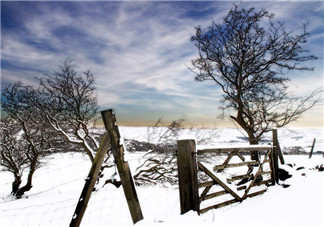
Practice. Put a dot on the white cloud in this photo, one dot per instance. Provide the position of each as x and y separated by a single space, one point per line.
13 76
15 50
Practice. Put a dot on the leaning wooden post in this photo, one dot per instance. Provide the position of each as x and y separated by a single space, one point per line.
312 149
187 173
123 168
90 181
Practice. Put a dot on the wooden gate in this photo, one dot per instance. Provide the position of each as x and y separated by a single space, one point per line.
204 185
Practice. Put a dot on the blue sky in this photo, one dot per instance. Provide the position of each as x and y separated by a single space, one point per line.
140 51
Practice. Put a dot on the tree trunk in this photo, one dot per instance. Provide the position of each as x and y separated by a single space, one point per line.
28 185
16 184
253 141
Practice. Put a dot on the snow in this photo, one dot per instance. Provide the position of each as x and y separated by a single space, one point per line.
288 137
58 184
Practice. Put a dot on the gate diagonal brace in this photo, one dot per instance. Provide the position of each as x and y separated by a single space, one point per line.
256 175
223 185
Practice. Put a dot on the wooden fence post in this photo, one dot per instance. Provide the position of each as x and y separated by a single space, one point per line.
90 181
187 172
117 149
276 153
274 156
277 146
312 149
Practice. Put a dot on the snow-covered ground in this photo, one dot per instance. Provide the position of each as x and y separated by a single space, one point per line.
58 184
288 137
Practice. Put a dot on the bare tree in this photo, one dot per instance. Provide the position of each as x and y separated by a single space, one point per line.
248 59
25 138
61 109
12 150
160 162
69 103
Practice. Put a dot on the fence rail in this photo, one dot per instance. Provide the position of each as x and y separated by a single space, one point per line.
202 150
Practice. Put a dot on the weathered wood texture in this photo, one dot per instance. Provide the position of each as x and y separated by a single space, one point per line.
122 166
216 179
189 150
90 181
187 172
186 151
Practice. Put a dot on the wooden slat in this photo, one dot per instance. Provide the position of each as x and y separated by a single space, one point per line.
266 182
229 202
206 190
239 177
226 203
241 188
256 193
211 175
230 149
207 184
265 172
212 195
219 167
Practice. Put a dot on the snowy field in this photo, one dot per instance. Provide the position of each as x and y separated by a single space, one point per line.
58 184
288 137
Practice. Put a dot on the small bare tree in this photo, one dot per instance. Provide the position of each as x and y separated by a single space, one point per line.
13 151
247 60
160 162
25 138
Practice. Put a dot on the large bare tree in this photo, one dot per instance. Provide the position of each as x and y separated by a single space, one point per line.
247 56
69 103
